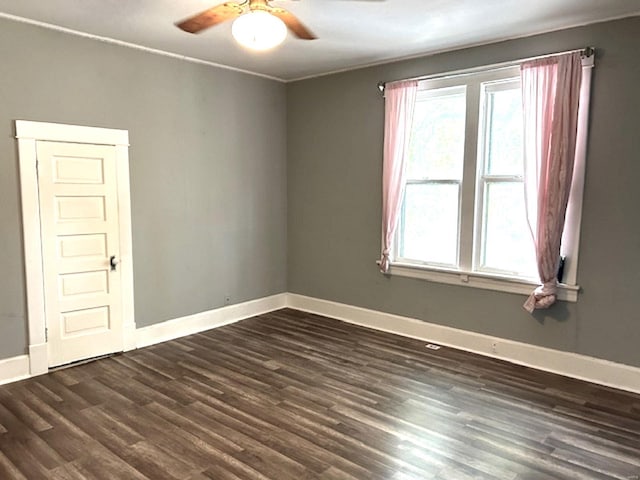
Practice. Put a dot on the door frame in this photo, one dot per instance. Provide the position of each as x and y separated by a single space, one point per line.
27 134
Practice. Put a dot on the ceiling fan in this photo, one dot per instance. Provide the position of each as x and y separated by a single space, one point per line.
257 24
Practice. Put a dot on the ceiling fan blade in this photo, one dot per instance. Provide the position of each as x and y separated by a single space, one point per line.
291 21
213 16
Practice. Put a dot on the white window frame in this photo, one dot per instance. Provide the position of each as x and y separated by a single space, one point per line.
425 93
484 179
466 275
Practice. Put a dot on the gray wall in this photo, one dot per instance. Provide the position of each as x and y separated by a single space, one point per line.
207 165
335 131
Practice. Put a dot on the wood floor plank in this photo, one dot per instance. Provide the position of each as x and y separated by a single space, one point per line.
293 395
25 414
68 471
108 466
8 469
29 463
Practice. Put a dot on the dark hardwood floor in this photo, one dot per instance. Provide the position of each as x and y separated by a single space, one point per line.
289 395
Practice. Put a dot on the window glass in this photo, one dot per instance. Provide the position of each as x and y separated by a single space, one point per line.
504 132
436 150
507 245
429 224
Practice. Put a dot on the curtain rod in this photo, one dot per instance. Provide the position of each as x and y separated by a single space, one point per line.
586 52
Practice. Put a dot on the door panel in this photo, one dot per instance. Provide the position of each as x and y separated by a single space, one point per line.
80 232
91 320
80 209
81 247
78 170
83 283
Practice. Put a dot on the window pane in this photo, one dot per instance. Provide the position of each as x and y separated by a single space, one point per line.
429 228
504 132
436 150
507 244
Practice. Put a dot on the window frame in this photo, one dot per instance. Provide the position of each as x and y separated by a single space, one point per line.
424 93
466 274
484 179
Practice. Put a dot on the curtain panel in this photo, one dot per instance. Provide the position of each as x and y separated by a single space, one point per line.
550 94
399 104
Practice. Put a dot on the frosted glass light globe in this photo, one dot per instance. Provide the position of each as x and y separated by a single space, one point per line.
259 30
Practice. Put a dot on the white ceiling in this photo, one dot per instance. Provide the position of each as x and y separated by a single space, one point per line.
351 33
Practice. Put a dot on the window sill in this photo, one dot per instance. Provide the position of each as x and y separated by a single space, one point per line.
568 293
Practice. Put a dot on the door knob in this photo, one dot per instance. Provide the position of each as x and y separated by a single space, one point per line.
113 262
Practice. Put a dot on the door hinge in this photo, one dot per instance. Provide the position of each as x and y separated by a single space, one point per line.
46 334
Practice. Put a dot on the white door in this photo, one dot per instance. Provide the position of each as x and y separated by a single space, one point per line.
80 248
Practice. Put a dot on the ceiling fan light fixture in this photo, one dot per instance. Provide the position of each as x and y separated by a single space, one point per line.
259 30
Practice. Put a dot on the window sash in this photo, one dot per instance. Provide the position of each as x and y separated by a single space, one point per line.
481 229
399 238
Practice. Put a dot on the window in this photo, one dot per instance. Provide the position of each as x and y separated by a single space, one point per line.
503 240
434 179
463 216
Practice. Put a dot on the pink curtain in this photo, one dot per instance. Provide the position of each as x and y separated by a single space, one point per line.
400 99
551 93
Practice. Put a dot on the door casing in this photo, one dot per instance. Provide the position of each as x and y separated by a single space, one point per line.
28 133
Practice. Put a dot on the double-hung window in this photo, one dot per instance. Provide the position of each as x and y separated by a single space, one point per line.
502 238
433 189
463 216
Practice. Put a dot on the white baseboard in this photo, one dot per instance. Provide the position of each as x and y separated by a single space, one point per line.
14 369
582 367
199 322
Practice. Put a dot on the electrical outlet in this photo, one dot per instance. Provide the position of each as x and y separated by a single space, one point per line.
494 346
227 299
